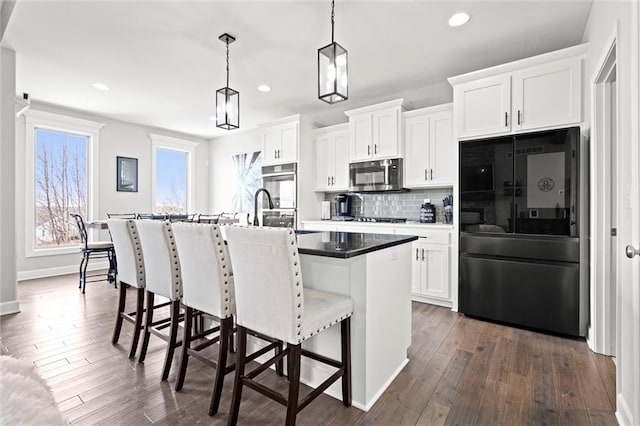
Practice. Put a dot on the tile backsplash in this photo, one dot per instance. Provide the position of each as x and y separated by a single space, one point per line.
396 204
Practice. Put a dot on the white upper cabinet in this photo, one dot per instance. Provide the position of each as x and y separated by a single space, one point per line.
280 143
536 93
547 95
430 147
483 106
375 132
332 159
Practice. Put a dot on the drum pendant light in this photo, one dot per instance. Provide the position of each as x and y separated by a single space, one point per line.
227 99
332 69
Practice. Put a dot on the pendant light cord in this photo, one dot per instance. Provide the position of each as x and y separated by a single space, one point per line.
227 63
332 18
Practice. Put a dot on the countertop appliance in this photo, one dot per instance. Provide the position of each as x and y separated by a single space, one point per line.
376 176
343 205
519 241
281 183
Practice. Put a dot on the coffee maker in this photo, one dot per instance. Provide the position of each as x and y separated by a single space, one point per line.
343 207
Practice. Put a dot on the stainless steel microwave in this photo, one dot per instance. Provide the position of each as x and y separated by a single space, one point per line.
378 175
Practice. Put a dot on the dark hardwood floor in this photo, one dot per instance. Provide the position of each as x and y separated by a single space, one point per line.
461 371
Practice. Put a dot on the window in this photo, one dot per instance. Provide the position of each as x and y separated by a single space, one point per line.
59 154
171 181
61 187
173 175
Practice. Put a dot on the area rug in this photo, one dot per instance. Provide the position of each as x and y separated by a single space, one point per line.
25 398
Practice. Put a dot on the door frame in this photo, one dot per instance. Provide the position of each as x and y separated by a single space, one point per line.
628 381
603 319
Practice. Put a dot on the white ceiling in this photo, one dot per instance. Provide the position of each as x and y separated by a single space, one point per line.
163 60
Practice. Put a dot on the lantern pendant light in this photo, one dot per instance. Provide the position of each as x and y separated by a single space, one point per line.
332 69
227 99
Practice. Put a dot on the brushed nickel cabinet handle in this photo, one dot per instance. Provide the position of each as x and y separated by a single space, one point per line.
417 250
518 117
423 254
368 149
506 119
426 176
328 181
431 174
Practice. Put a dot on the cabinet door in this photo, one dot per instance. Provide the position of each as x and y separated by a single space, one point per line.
386 140
270 146
360 137
547 95
289 144
417 269
340 175
324 158
416 162
442 149
436 260
482 107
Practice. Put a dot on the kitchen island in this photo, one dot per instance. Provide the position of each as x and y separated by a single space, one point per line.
375 271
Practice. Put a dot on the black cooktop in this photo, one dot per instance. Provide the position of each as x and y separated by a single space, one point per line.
380 219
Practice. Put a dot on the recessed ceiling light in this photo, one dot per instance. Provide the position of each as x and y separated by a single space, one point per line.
264 88
458 19
101 86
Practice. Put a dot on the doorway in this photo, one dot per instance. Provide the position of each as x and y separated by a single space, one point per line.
604 201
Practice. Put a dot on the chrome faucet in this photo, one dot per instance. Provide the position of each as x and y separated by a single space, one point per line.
256 222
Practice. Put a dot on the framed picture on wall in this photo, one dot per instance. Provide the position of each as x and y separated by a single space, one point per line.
127 174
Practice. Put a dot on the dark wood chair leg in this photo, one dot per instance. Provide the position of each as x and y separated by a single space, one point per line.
345 343
189 323
237 382
80 272
137 324
226 327
293 368
84 271
279 363
147 327
121 304
173 336
232 337
113 268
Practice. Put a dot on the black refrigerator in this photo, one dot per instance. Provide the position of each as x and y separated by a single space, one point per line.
519 231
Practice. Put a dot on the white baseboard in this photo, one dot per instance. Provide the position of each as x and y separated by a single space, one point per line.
431 300
12 307
60 270
623 412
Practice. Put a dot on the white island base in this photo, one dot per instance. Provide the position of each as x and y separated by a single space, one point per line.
380 285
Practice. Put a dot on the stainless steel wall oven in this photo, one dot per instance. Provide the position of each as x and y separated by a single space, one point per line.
281 182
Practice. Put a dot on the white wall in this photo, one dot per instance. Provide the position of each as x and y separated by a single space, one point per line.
8 287
117 138
221 167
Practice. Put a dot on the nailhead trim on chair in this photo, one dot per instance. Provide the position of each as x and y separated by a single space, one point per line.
177 281
133 232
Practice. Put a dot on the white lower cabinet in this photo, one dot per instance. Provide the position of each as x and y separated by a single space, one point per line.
430 255
430 272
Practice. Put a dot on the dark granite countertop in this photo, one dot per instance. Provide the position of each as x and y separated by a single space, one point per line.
347 244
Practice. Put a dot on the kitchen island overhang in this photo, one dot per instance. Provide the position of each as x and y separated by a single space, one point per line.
375 271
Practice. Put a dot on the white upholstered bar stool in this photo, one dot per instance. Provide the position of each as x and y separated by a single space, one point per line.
163 278
271 299
130 274
207 290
